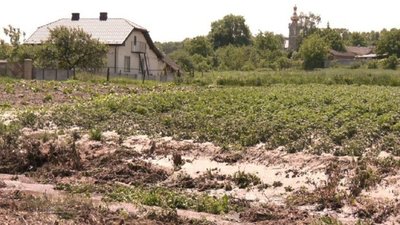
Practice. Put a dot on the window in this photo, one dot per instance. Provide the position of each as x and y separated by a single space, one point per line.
134 40
127 64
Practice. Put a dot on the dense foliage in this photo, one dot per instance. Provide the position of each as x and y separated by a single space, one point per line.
389 43
314 52
230 30
71 48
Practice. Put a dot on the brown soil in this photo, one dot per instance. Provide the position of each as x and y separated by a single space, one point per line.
292 188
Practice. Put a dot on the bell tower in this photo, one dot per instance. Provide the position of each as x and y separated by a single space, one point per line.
294 30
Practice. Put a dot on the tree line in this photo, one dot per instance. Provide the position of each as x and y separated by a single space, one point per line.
229 45
66 48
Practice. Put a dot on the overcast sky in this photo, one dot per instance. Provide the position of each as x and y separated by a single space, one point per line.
174 20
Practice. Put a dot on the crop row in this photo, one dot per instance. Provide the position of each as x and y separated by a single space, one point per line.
343 119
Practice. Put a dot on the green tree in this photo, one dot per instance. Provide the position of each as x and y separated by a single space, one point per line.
231 30
236 58
389 42
199 45
183 59
357 39
5 50
268 41
313 52
169 47
71 48
14 34
15 51
308 24
332 38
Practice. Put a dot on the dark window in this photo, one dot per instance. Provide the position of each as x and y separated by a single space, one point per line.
134 40
127 64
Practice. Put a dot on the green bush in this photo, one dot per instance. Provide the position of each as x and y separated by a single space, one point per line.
390 62
372 64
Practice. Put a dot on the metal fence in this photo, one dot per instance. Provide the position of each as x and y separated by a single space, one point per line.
135 73
108 73
52 74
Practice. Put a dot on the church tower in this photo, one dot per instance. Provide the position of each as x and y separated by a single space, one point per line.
294 30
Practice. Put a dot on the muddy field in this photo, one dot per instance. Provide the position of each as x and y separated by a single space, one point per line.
54 175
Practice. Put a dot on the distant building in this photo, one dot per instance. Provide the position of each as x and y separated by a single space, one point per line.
294 30
131 50
352 53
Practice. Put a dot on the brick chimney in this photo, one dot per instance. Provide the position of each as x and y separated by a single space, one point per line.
103 16
75 17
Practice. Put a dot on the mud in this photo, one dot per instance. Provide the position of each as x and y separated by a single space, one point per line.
280 188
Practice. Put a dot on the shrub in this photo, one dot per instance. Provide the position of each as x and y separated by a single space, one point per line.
313 51
372 64
244 180
390 63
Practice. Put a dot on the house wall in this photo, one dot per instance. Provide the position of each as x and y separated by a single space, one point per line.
155 65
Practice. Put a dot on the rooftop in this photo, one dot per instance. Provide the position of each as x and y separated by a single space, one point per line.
111 31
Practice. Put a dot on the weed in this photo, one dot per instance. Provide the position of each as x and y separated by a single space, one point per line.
244 180
28 119
277 184
169 199
95 134
365 178
326 220
47 98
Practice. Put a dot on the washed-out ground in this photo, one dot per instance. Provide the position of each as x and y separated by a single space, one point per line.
54 175
69 178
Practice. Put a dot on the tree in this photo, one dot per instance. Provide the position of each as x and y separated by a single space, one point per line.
14 34
199 45
183 59
5 50
231 30
357 39
314 51
268 41
71 48
308 24
15 51
389 43
169 47
332 38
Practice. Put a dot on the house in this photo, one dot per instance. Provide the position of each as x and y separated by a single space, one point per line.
131 49
351 53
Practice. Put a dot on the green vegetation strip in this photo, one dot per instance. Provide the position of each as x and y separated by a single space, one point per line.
156 196
300 117
342 76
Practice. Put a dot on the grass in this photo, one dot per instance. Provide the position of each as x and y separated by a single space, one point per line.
155 196
334 76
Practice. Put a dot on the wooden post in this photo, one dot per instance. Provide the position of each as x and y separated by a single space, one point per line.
108 73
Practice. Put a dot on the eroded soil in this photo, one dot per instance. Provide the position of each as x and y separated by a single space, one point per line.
69 178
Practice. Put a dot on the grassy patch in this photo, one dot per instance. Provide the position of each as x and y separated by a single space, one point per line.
171 199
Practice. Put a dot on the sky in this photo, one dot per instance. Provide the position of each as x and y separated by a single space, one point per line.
175 20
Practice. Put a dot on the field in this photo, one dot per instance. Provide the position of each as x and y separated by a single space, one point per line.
263 147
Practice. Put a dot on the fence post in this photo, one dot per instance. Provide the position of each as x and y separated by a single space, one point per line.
108 73
28 67
56 73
